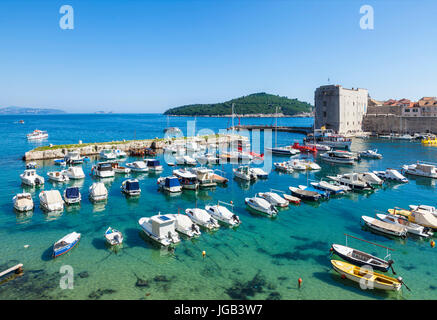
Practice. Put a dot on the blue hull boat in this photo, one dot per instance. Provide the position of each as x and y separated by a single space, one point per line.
65 244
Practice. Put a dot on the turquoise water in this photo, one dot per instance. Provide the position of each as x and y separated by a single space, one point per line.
262 259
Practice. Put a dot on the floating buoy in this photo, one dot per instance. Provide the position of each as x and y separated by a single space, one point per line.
299 281
432 243
331 249
203 254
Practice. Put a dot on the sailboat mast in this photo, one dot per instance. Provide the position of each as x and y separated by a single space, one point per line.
276 126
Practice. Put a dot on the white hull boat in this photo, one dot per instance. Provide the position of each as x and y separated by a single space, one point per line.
391 174
170 184
72 195
370 178
262 206
384 227
202 218
283 166
30 178
204 176
185 225
187 179
103 170
331 156
107 154
137 166
51 200
273 198
185 160
412 228
244 173
421 170
74 173
423 207
331 188
120 169
372 154
223 214
153 165
352 180
131 187
98 192
23 202
73 157
160 228
260 173
37 135
113 237
58 176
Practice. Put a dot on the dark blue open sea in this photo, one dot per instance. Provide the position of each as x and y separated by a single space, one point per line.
262 259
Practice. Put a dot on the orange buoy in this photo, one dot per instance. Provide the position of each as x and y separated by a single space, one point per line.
203 254
299 281
432 243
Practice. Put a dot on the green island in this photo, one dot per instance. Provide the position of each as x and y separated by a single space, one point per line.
257 103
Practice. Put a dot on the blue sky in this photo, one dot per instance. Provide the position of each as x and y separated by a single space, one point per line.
147 56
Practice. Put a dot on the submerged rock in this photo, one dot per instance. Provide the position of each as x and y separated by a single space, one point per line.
243 290
274 296
99 293
84 274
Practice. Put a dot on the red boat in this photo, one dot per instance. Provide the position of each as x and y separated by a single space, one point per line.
297 146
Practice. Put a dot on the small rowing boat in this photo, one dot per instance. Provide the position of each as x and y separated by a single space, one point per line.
305 194
361 258
385 227
365 276
291 199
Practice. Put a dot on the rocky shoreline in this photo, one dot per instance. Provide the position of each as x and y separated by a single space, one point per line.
254 115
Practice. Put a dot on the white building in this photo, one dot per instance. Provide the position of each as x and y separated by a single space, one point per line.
340 109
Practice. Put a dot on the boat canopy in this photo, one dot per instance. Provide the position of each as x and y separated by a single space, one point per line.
105 166
132 185
153 163
52 196
72 192
172 182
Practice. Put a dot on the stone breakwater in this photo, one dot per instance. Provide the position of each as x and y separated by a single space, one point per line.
92 149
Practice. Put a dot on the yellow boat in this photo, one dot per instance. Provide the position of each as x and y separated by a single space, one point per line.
429 141
369 278
421 217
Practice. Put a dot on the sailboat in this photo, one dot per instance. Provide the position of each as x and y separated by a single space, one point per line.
171 130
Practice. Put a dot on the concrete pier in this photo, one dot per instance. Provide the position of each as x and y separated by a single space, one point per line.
303 130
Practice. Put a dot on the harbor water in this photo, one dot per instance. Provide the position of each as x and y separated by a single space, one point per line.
261 259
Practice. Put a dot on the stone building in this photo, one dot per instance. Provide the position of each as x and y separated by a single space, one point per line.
340 109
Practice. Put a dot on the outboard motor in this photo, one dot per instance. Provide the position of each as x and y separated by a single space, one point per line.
235 218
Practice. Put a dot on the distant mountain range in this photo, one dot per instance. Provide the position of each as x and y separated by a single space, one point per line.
254 104
24 110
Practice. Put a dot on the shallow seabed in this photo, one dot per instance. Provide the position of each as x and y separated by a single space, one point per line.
261 259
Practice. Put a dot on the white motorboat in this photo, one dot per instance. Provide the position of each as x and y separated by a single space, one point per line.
385 227
373 154
74 173
23 202
37 135
261 205
351 180
370 178
120 153
160 228
60 162
207 158
185 225
391 174
154 165
273 198
113 236
297 165
286 151
283 166
103 170
423 207
108 154
73 157
58 176
330 187
72 195
51 200
98 192
131 187
329 138
223 214
244 173
403 137
185 160
421 169
310 165
335 157
202 218
120 169
319 147
412 228
137 166
187 179
260 173
204 176
170 184
30 178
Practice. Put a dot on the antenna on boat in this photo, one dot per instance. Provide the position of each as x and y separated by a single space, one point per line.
276 126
